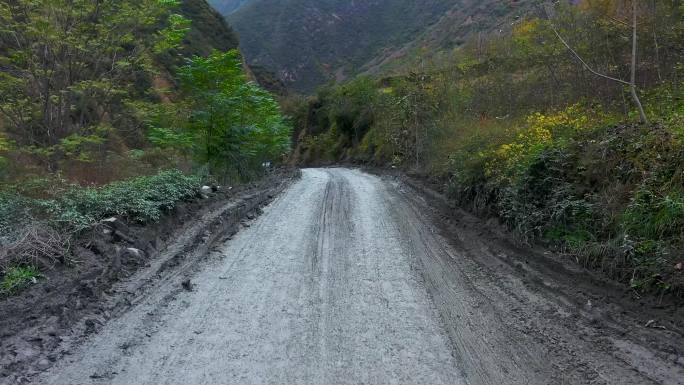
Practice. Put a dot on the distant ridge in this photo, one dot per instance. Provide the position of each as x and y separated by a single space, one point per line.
310 42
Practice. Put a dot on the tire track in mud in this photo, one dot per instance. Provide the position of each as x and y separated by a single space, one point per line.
345 280
318 290
551 336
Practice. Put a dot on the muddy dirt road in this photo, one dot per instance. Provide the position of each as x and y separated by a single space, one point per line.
344 280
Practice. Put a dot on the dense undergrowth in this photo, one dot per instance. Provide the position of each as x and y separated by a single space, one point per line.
62 204
609 195
514 126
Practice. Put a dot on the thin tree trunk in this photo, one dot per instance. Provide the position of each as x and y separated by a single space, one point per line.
632 86
655 40
632 83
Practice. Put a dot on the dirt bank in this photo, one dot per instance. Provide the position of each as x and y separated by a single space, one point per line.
587 328
113 267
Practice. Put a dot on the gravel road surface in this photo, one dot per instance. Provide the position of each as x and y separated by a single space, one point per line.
344 280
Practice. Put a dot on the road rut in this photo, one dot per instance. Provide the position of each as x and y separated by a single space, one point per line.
318 290
343 280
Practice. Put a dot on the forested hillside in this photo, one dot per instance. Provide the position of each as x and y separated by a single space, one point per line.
309 42
569 127
208 30
118 108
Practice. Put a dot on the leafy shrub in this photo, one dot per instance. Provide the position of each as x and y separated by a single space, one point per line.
653 215
613 196
144 198
73 208
537 133
543 203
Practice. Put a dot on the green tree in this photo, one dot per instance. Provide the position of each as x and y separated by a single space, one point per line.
235 125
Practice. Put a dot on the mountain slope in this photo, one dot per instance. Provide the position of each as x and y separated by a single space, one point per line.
227 6
453 29
309 42
208 29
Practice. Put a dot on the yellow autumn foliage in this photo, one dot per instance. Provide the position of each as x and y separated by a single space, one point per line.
526 29
539 131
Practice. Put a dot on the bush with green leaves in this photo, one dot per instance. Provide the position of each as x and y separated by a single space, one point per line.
73 208
140 199
612 196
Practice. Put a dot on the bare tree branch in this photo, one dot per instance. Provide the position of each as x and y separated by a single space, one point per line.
632 83
582 60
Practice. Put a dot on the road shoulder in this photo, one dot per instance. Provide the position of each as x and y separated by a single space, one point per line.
115 267
587 328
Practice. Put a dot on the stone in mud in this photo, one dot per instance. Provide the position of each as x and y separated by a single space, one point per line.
43 364
133 252
25 353
116 224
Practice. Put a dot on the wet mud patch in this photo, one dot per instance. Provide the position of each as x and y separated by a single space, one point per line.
75 300
590 329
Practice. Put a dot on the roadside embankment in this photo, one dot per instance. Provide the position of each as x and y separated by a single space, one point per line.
112 264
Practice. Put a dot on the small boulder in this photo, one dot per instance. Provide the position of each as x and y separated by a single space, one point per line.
116 225
25 353
43 364
113 222
206 190
51 331
133 252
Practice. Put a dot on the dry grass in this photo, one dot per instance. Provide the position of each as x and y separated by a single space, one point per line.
37 245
